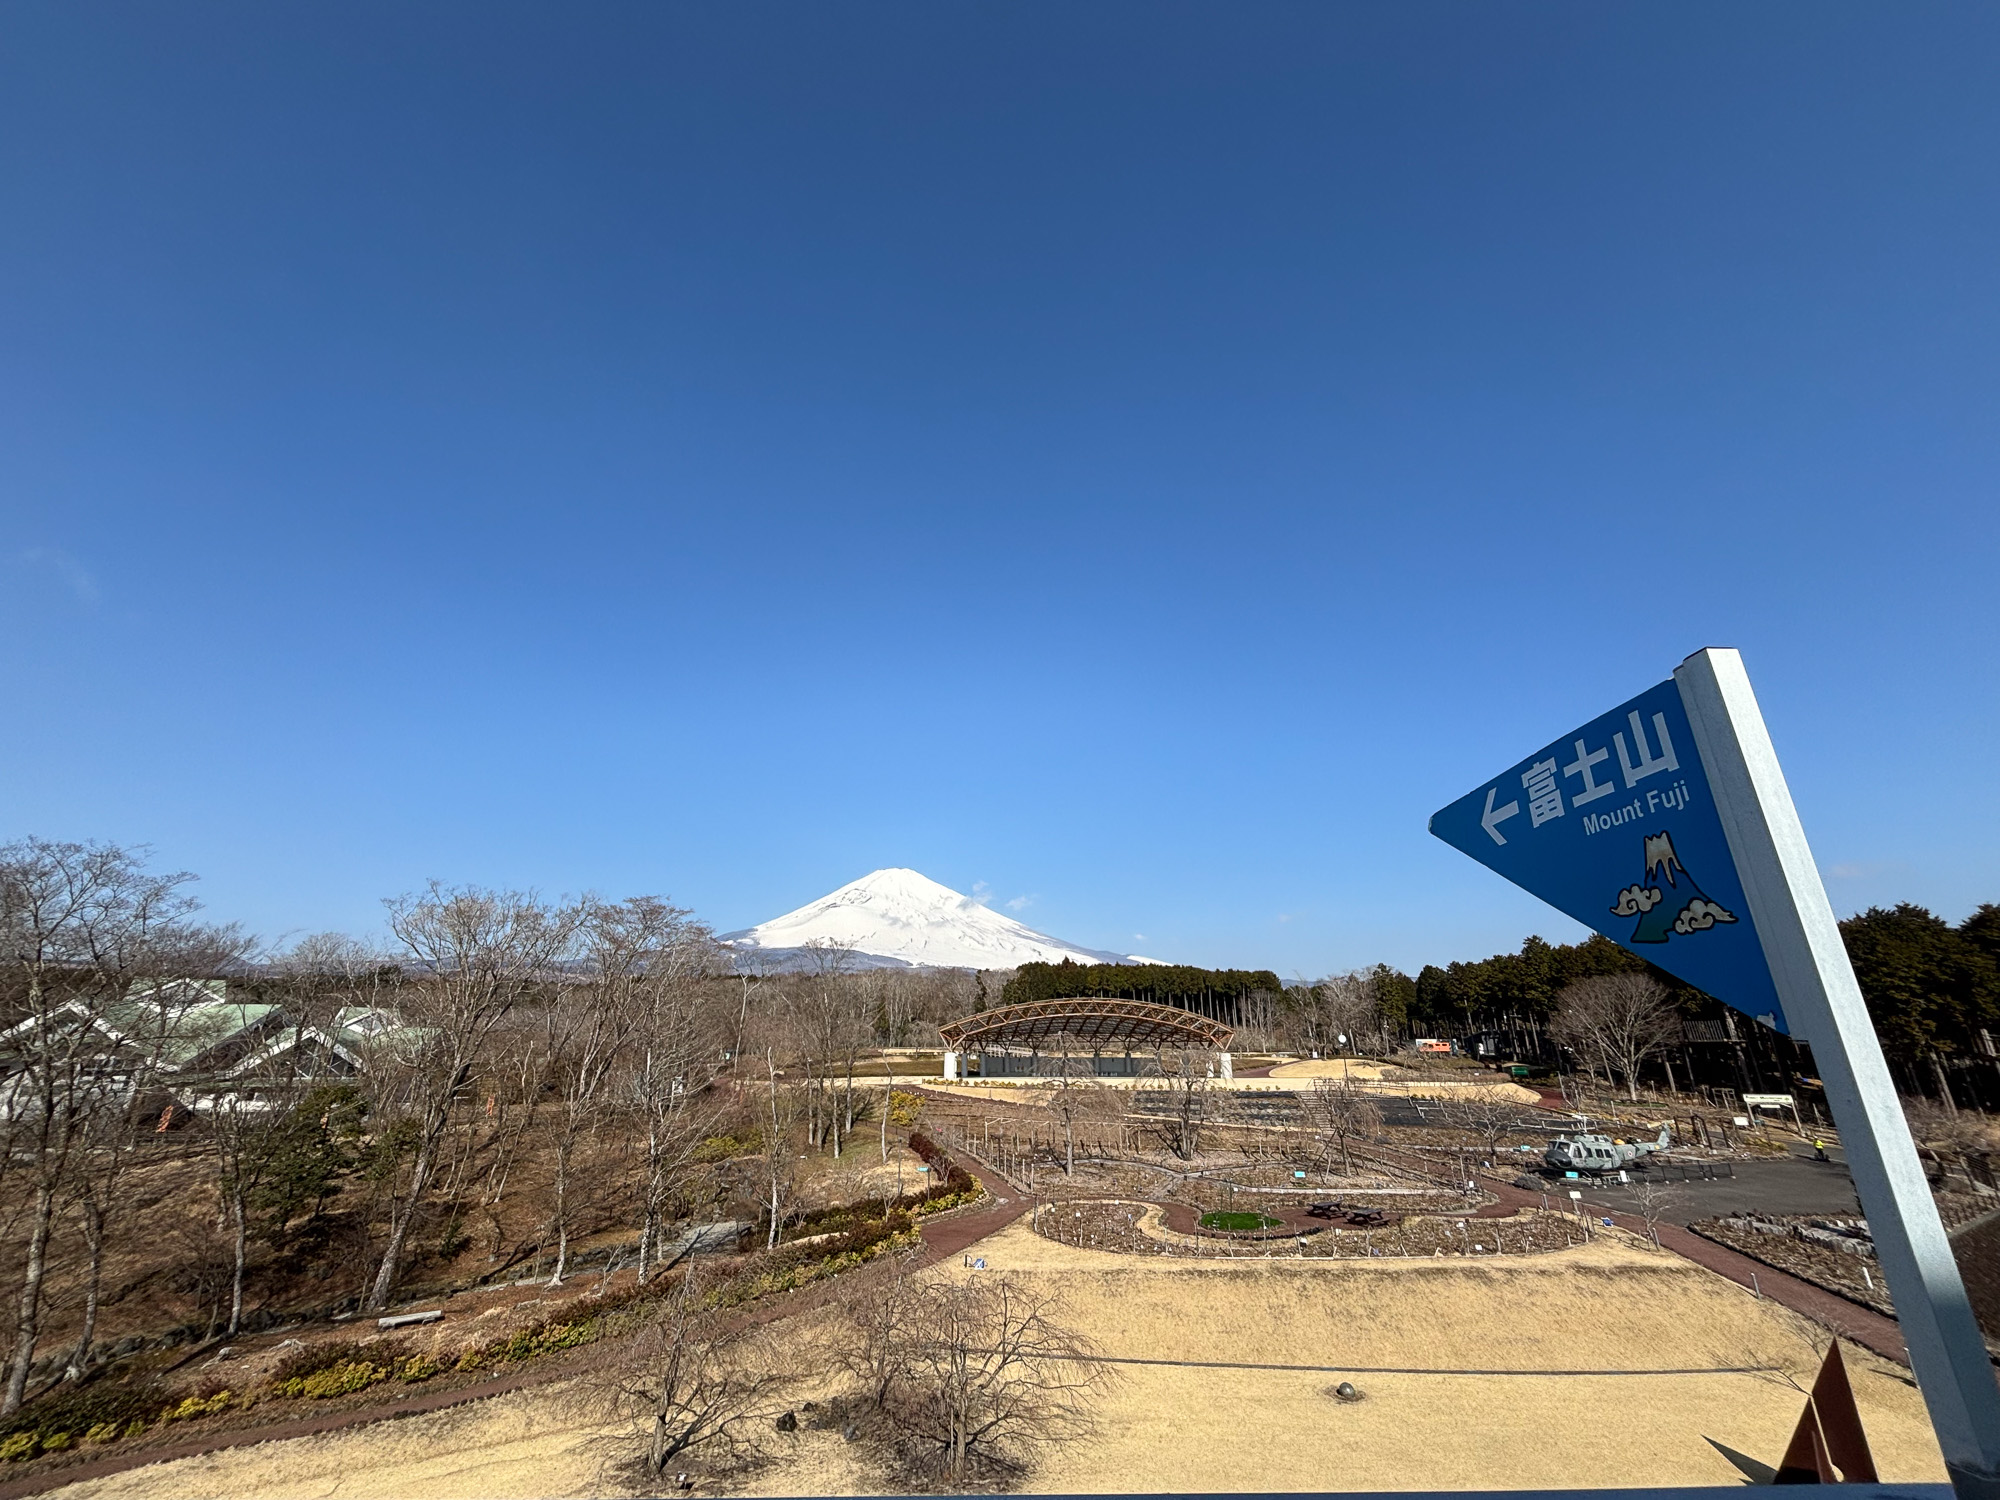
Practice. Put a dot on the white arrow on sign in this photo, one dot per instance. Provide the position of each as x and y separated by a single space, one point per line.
1493 817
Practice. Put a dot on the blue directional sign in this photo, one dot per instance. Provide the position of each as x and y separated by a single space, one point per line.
1614 825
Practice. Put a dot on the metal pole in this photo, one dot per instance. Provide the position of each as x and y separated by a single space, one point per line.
1816 986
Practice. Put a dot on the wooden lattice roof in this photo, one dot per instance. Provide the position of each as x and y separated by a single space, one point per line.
1094 1020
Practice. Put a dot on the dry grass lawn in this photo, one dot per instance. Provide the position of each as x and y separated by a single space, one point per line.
1609 1306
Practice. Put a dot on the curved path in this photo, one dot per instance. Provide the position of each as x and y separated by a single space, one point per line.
952 1234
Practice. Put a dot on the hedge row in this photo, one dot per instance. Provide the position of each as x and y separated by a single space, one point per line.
954 1187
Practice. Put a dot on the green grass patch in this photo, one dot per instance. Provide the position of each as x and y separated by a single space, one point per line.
1239 1223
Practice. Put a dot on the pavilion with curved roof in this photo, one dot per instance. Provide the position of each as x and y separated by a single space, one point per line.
1035 1037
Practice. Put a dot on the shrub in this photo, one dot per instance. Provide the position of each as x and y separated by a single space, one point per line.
904 1108
94 1412
938 1205
952 1186
785 1278
316 1357
196 1406
722 1147
335 1380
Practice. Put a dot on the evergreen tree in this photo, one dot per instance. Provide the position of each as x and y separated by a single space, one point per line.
1929 987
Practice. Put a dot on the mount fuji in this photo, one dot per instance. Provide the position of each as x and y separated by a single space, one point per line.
897 919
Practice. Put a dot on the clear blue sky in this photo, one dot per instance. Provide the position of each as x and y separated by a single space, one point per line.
1141 457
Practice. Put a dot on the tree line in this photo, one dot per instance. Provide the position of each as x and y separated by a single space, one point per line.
1932 988
1160 984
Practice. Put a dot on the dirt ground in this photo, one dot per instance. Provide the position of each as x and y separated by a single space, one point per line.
1335 1067
1611 1306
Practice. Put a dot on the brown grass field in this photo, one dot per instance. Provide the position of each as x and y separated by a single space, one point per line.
1610 1306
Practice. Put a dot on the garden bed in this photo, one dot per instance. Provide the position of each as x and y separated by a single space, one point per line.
1136 1228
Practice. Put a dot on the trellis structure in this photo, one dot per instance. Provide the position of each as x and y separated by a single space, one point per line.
1092 1024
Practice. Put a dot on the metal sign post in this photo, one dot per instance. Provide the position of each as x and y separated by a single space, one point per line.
1815 982
1667 826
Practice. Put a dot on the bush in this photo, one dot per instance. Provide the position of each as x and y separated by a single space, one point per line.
722 1147
786 1278
93 1413
196 1406
335 1380
314 1358
344 1365
954 1186
904 1108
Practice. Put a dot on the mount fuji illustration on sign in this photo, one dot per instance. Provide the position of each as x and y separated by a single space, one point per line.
898 919
1687 911
1611 825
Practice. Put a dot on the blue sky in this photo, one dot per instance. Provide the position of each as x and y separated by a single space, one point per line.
1142 459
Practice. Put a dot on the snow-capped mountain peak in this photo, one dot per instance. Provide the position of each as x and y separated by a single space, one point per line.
894 918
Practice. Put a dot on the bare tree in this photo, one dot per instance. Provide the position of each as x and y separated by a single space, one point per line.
1334 1014
1078 1099
984 1373
829 1029
636 1018
156 1026
697 1380
780 1172
585 1029
871 1345
1308 1017
475 954
79 923
664 959
1654 1199
1186 1076
240 1135
1481 1111
248 1101
1617 1022
1337 1114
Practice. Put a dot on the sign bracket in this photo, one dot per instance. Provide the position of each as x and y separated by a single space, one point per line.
1821 998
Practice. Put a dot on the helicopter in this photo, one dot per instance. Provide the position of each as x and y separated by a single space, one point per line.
1600 1153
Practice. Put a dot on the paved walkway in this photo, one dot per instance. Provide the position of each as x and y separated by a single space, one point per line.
952 1234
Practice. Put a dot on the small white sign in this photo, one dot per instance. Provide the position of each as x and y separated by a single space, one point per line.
1767 1101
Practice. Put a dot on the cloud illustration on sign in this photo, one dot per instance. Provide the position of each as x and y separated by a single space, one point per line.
1700 915
1635 900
